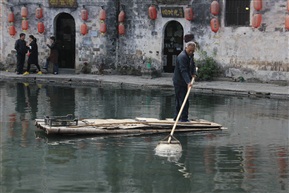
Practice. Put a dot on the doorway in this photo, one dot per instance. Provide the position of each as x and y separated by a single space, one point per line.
65 36
173 44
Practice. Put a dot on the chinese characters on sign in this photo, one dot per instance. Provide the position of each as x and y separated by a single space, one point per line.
172 12
62 3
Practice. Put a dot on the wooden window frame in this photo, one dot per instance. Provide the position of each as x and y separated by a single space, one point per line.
237 13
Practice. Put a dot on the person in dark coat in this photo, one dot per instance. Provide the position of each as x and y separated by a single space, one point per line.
21 50
53 57
33 54
185 69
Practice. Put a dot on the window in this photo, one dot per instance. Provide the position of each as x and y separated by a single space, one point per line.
237 13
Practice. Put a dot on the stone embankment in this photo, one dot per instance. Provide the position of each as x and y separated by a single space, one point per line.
165 82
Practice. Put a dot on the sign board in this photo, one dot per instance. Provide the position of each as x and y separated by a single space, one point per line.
172 12
62 3
172 2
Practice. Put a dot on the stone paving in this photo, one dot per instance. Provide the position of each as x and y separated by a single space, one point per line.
165 82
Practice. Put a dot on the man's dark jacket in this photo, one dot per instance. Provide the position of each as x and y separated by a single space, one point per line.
20 47
184 69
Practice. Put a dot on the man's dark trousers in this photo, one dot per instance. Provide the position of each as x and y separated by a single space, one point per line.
20 63
180 94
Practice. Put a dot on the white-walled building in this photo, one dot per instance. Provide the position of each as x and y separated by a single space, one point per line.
259 52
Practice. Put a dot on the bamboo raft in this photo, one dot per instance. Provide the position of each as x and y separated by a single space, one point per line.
68 125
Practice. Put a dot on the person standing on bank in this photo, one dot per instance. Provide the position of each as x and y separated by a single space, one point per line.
33 55
53 57
21 50
185 69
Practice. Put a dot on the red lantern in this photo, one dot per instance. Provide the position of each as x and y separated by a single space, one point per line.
40 27
215 25
83 29
189 14
152 12
84 14
102 27
215 7
24 12
121 29
287 5
102 14
257 19
287 22
12 30
121 16
257 5
25 25
39 13
11 17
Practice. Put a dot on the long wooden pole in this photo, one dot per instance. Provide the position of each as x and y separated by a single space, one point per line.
181 110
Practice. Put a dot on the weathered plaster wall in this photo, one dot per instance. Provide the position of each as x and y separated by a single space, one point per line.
243 51
92 48
143 40
7 48
134 45
1 34
96 48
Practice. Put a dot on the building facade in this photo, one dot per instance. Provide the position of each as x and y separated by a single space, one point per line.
247 38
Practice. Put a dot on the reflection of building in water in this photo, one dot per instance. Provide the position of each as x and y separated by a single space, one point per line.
26 107
228 168
20 98
209 154
239 168
2 100
32 100
8 117
12 122
109 103
249 166
27 99
209 159
24 130
282 162
62 100
249 162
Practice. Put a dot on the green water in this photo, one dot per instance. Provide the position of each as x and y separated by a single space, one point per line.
250 156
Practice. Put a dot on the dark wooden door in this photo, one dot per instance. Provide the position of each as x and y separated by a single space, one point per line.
65 36
173 44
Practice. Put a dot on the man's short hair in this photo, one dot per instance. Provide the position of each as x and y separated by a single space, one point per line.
191 43
22 34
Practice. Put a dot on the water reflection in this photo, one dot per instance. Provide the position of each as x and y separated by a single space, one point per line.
251 156
61 99
26 107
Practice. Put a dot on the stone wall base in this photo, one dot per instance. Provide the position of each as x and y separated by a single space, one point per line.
256 75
